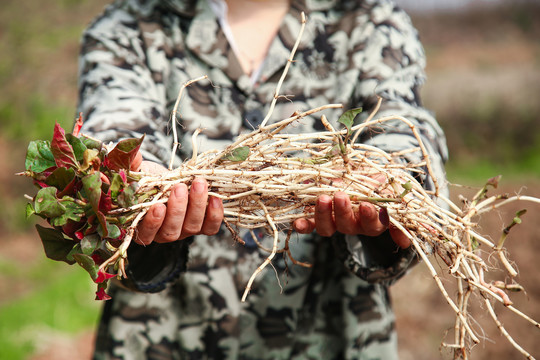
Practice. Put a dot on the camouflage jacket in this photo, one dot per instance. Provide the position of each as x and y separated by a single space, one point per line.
135 57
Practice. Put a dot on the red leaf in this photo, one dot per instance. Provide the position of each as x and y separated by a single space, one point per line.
105 202
62 149
72 228
78 125
102 295
103 222
123 176
123 154
97 258
70 189
41 184
103 276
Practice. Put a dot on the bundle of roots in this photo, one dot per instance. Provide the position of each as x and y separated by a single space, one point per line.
269 178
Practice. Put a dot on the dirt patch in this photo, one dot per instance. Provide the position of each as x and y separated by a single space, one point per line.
60 347
423 316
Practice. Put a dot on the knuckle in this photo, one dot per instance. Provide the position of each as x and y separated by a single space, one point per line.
191 229
211 231
169 237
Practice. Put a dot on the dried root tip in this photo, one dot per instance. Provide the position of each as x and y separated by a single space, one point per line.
233 232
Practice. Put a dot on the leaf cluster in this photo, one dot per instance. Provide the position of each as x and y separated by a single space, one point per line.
79 182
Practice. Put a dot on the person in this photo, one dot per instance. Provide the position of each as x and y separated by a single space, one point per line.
181 299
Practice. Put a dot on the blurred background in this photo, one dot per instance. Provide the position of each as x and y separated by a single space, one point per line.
483 85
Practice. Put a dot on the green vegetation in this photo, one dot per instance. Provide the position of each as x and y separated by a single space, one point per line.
58 301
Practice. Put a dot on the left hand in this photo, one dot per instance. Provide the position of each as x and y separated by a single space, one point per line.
339 215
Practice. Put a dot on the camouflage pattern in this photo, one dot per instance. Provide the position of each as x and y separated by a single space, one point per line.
135 57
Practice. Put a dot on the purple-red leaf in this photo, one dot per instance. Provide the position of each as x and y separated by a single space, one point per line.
105 203
103 276
101 294
62 150
78 125
123 154
103 229
55 245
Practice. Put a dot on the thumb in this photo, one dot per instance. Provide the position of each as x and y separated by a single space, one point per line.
152 167
137 161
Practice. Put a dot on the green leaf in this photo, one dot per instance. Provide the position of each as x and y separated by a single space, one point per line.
91 143
347 118
117 184
127 197
73 211
75 250
113 231
89 244
78 146
60 177
39 156
239 154
88 264
46 203
29 210
92 189
55 245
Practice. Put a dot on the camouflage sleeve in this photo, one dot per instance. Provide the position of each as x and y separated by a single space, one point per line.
120 97
392 60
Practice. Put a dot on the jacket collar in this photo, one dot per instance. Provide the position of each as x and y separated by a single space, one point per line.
208 42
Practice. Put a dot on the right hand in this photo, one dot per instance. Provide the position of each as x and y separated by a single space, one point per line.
188 212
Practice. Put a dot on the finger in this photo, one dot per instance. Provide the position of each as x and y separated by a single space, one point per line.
213 217
324 220
304 226
369 220
136 163
149 226
198 199
345 219
399 237
176 212
152 167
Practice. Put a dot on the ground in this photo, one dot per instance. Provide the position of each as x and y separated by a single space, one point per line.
483 83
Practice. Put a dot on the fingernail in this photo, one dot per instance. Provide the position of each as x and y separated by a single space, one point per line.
366 210
214 202
180 190
198 185
383 217
339 201
324 201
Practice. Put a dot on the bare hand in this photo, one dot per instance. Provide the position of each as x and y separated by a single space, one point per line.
338 214
187 212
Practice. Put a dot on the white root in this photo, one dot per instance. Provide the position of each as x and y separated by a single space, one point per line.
283 174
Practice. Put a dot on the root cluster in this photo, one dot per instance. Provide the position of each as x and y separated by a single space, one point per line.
270 177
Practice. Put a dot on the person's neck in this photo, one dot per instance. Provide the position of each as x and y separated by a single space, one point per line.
232 4
254 23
